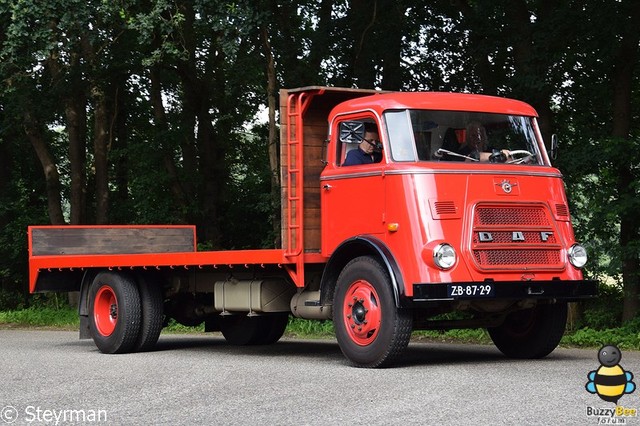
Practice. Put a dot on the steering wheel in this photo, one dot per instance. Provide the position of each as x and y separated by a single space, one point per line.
519 156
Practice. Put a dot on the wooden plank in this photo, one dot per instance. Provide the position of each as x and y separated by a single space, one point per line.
315 133
46 241
311 236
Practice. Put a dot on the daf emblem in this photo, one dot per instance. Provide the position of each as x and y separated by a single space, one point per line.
517 236
485 237
507 186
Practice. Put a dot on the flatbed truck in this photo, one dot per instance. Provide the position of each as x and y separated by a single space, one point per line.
437 234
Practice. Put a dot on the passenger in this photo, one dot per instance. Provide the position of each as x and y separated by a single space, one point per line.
450 143
368 149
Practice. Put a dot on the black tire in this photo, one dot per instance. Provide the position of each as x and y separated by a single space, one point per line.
243 330
152 304
272 328
114 312
531 333
370 329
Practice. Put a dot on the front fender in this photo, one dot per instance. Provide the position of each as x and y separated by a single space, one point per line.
363 245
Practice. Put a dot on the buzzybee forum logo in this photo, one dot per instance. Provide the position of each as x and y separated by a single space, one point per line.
610 381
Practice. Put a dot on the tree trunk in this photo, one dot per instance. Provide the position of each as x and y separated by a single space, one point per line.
272 138
393 28
363 15
100 154
211 165
75 104
35 133
320 37
119 135
207 153
482 67
161 129
75 112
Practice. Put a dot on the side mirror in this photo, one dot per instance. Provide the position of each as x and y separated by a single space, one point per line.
553 152
351 132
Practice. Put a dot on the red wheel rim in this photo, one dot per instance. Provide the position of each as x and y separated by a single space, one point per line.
362 313
105 310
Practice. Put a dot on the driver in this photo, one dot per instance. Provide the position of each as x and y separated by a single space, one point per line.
475 145
368 149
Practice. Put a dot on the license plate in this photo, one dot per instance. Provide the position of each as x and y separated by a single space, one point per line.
470 290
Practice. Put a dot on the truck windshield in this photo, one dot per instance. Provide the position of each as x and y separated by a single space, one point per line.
425 135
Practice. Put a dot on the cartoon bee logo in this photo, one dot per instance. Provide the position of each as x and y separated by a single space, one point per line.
610 381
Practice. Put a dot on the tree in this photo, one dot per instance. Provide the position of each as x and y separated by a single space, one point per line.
600 107
137 112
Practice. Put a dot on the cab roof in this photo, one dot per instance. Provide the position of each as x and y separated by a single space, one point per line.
440 101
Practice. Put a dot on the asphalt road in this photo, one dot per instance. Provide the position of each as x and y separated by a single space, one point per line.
51 377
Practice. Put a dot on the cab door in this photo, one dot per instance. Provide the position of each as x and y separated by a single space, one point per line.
352 197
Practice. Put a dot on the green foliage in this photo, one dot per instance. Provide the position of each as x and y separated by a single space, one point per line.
177 328
11 300
63 317
476 335
249 194
299 327
605 311
179 81
22 203
625 337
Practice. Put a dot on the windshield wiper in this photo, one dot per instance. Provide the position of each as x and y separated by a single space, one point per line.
440 151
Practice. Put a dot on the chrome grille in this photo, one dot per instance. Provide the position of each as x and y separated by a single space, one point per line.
517 257
511 216
515 236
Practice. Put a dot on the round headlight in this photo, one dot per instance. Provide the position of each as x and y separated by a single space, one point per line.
577 255
444 256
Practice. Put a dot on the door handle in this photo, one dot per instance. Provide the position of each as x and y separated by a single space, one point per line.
326 187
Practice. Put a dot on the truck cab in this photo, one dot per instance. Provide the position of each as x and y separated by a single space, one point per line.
465 172
459 212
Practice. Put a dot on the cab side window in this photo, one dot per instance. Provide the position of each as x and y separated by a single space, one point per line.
358 143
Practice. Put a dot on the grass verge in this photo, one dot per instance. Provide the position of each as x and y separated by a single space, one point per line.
66 318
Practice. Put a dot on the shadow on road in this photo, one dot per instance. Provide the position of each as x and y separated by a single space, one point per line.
329 351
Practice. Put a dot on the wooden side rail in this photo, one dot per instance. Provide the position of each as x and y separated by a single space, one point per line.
73 240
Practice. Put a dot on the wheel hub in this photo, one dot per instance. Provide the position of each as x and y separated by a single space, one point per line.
105 310
358 313
362 313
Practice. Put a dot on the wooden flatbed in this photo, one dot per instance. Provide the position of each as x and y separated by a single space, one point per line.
74 248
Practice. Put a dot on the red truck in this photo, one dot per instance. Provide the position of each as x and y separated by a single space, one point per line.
460 222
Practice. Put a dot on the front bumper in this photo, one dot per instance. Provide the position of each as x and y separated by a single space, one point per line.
568 291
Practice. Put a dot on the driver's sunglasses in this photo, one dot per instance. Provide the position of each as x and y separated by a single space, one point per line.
372 142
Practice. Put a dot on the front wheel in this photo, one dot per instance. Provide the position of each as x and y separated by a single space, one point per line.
370 329
114 312
531 333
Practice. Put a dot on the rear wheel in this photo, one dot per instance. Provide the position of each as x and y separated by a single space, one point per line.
273 327
370 329
531 333
152 314
241 330
114 312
